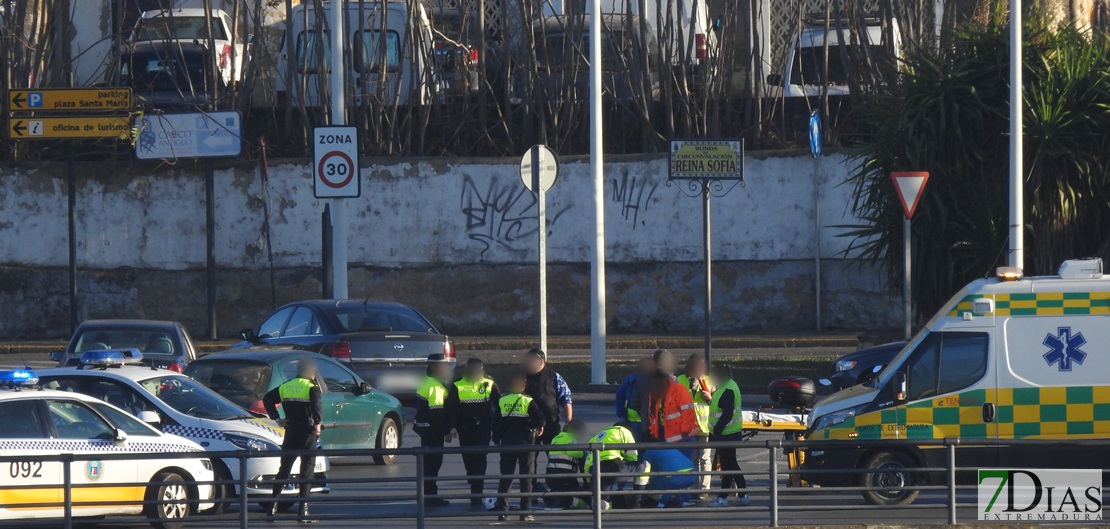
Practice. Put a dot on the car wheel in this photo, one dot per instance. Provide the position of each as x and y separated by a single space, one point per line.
389 438
222 494
890 482
169 501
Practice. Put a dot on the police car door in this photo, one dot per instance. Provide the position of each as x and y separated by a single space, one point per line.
24 433
80 430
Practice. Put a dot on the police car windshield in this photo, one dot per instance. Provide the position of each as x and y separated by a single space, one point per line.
191 398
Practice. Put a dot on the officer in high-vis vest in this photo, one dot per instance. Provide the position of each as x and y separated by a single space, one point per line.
561 463
726 423
301 402
432 423
616 461
696 381
520 421
471 403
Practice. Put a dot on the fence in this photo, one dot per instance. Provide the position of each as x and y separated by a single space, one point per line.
775 488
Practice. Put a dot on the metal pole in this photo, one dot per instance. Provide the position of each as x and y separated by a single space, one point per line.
906 293
67 490
817 243
1017 169
774 478
325 252
420 498
907 304
243 491
541 198
71 185
210 243
595 489
951 483
597 160
707 243
338 117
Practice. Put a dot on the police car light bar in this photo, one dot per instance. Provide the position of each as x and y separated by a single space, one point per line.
17 378
111 357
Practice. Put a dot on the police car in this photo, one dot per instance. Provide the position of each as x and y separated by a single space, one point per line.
49 423
182 406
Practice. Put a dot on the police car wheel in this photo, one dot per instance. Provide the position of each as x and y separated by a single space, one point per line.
169 496
222 492
389 438
888 485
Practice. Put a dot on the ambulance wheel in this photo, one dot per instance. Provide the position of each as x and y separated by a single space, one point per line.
389 438
889 484
169 501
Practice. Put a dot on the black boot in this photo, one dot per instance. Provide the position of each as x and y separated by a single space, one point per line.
304 517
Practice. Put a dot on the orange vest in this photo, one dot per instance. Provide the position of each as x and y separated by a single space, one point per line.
675 412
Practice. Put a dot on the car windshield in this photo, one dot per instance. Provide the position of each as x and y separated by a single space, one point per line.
160 342
809 65
164 71
240 381
192 398
178 28
373 319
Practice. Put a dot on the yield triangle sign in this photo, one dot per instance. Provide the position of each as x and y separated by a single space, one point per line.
909 186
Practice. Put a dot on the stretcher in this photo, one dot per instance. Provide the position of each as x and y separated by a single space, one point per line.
791 425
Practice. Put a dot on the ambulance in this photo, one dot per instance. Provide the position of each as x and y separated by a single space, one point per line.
40 425
1009 357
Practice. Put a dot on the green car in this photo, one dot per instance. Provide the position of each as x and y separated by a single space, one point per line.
355 416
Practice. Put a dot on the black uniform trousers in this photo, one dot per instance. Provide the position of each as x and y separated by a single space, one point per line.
561 483
297 439
432 463
475 464
517 462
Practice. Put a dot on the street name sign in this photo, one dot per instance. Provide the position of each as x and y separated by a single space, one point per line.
188 135
706 160
335 162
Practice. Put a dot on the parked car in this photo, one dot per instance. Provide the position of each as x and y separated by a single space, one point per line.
168 77
803 72
186 26
163 344
387 344
356 416
859 366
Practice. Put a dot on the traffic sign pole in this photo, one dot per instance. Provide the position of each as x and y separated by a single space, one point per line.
338 117
815 134
906 284
539 168
908 186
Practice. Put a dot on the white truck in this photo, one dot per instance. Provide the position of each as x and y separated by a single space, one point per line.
803 70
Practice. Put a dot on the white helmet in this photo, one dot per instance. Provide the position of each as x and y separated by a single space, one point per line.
490 503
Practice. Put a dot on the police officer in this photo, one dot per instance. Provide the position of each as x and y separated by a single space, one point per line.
471 402
519 422
616 461
432 423
300 400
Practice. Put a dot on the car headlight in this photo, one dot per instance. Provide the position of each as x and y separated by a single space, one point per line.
247 441
844 365
836 417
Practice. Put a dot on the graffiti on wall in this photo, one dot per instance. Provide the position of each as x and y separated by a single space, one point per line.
500 215
633 194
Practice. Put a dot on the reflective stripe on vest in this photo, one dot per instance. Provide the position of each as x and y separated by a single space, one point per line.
611 436
474 392
296 390
514 405
633 415
701 406
432 391
737 423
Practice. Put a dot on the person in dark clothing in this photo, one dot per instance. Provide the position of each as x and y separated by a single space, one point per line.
664 362
519 422
471 402
630 395
562 463
300 400
432 423
550 391
726 423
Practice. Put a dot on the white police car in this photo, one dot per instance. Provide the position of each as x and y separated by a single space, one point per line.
183 406
38 425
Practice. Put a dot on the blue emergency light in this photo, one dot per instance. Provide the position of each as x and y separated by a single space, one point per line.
111 357
17 378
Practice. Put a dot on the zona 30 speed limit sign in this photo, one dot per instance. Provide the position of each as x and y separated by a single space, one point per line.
335 166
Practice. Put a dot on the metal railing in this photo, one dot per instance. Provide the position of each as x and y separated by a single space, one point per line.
406 493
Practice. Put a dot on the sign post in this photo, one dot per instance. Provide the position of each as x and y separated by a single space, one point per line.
908 186
702 168
815 150
69 113
538 169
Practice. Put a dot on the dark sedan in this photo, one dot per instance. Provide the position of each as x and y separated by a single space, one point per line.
164 344
387 344
859 366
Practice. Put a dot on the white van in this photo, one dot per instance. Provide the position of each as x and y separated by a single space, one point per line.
1009 357
390 57
802 74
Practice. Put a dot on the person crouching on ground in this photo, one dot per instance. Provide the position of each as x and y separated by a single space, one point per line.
671 471
616 461
519 422
561 463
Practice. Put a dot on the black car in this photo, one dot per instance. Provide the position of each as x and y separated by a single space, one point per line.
859 366
168 75
387 344
164 344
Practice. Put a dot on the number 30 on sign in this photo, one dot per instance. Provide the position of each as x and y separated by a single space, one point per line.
336 173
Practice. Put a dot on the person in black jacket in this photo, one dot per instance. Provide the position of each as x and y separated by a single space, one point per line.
432 423
300 399
519 422
471 406
550 391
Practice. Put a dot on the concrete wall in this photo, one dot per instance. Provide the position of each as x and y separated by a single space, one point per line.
455 238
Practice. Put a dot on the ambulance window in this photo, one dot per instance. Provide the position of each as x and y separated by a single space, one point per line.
923 369
73 420
21 420
963 360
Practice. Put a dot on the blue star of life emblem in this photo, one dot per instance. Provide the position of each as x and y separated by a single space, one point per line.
1064 348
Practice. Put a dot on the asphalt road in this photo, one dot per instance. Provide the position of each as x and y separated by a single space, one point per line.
387 505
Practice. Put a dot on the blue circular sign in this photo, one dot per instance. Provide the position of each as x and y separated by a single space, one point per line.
815 134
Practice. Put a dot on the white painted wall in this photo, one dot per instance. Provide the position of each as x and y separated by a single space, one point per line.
416 213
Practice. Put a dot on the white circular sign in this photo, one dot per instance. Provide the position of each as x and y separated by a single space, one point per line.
539 168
